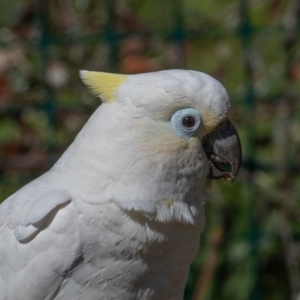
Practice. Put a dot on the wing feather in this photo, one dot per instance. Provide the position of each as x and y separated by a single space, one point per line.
39 242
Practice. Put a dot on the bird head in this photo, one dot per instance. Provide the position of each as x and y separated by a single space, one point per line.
158 137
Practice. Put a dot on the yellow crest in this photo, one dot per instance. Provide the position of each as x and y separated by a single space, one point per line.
101 84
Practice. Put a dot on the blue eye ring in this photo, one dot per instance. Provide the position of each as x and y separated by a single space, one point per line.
186 122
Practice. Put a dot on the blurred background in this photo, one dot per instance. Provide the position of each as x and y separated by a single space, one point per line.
250 248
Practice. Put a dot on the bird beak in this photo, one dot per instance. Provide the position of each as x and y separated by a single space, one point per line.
223 149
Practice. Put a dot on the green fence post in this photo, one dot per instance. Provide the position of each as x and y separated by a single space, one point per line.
44 42
112 36
179 34
246 33
48 105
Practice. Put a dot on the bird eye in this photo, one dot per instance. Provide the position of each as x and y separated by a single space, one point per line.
186 122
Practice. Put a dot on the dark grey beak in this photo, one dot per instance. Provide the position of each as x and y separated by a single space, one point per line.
223 149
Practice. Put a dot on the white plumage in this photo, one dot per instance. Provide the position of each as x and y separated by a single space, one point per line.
119 215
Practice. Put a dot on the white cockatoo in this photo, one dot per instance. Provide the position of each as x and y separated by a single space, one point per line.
119 216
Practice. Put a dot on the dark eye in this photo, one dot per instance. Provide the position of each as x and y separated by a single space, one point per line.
186 122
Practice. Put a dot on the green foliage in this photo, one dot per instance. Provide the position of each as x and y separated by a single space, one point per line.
251 242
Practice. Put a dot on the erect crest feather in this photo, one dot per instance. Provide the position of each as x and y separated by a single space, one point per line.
101 84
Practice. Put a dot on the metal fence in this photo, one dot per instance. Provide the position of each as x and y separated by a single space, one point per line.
251 47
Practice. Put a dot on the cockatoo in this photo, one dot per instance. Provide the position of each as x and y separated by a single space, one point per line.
119 215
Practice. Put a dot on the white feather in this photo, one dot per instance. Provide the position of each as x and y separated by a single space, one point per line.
119 215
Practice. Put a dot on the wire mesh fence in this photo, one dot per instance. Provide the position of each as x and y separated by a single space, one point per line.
250 247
